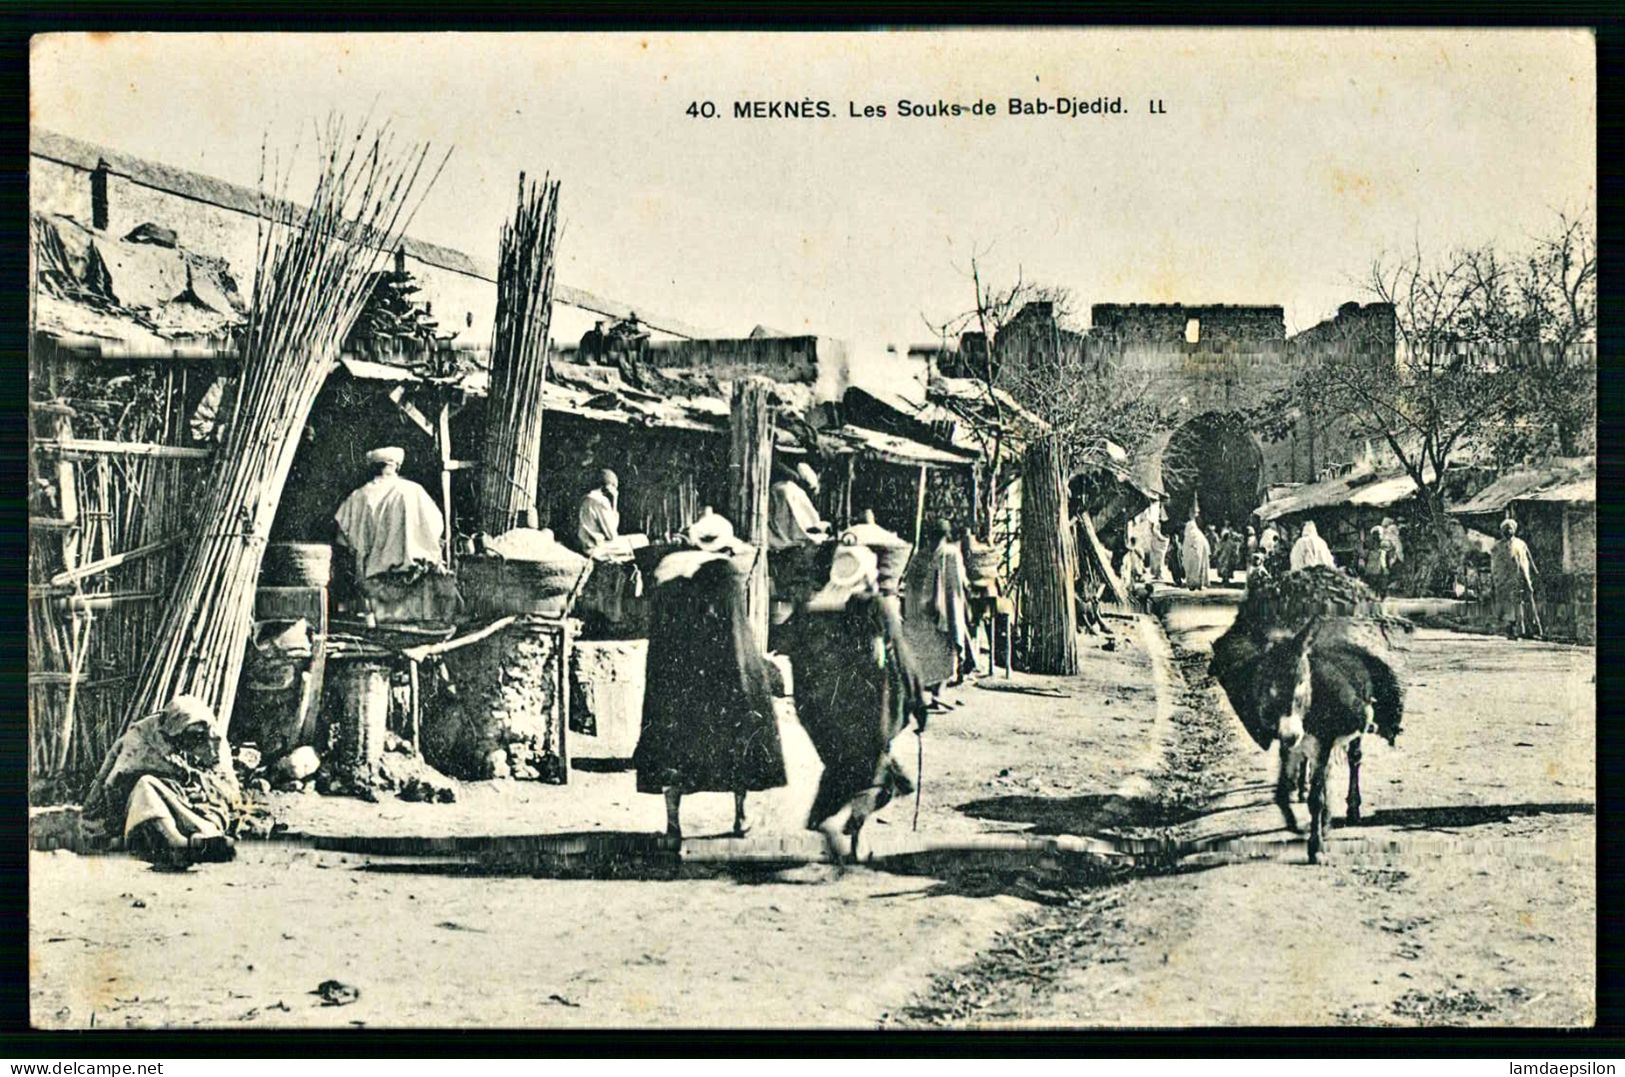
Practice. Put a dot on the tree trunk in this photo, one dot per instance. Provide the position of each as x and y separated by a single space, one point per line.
1048 564
750 469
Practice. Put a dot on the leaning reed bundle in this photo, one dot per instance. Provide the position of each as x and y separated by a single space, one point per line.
313 271
513 407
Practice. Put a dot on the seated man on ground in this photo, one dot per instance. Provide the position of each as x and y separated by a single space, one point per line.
167 789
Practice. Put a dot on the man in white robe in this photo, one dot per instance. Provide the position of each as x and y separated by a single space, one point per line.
391 523
598 517
792 519
950 599
615 576
1196 556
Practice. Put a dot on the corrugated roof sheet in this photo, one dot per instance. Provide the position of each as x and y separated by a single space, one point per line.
95 287
896 449
1560 480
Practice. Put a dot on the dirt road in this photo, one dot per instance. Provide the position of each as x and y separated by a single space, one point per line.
1467 897
431 942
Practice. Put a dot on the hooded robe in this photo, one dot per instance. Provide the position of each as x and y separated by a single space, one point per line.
708 721
390 523
792 518
950 598
146 777
1311 549
856 687
1195 553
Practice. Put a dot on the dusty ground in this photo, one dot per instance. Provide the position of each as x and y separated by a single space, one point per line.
1468 897
433 942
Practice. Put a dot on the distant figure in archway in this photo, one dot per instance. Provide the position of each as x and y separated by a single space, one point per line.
1197 556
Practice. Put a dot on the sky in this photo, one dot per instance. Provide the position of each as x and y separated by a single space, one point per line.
1282 164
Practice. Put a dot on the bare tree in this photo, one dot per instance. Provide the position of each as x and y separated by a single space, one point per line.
1553 300
1044 366
1489 350
988 416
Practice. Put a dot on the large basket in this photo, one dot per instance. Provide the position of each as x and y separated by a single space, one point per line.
982 564
297 564
495 587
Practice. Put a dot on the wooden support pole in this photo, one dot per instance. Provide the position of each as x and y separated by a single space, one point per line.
750 470
69 576
919 507
416 692
846 496
1048 565
71 448
443 439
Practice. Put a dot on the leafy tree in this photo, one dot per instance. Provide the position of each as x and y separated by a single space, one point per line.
393 325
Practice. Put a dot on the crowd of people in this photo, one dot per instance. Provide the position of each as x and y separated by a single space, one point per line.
870 647
1196 557
869 652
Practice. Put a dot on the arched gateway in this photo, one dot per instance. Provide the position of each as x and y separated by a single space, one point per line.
1213 460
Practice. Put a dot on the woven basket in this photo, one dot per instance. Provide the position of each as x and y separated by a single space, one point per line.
493 587
297 564
982 563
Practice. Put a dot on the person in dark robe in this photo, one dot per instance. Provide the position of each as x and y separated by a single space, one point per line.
856 689
1228 559
592 344
708 721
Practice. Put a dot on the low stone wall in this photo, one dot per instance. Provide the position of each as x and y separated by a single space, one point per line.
55 828
502 709
606 697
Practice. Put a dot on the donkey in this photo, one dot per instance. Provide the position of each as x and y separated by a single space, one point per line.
1329 684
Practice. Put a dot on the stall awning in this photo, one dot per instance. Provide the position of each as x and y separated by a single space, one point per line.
895 449
1360 487
1562 480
